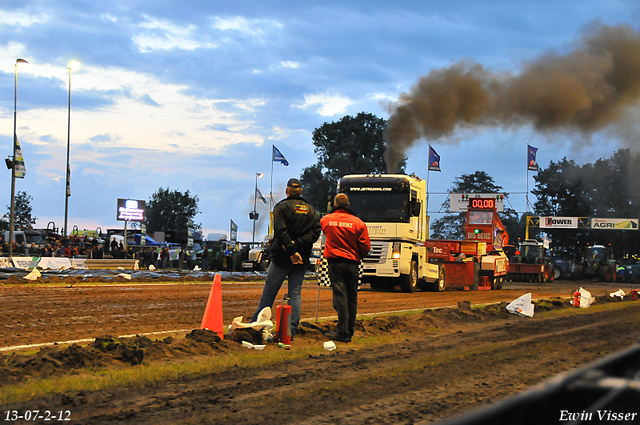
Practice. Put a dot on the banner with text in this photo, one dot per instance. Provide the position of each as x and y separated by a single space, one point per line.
558 222
615 223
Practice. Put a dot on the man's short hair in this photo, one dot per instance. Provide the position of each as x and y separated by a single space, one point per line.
341 201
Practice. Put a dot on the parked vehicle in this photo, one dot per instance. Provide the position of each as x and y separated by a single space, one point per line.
530 263
597 262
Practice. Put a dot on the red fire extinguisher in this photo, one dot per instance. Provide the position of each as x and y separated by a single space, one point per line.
576 299
283 322
634 294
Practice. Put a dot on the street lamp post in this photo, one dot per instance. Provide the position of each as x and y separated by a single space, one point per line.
13 167
254 213
67 188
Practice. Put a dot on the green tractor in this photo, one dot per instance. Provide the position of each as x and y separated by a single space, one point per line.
597 262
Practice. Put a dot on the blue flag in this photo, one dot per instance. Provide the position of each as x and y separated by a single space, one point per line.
259 196
434 160
531 158
278 157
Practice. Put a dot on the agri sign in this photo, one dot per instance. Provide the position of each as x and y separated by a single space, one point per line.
614 223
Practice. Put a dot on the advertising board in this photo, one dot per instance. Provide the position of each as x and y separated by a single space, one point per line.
130 210
459 202
615 223
558 222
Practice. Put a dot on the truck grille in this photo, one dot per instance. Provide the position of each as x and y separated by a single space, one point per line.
378 253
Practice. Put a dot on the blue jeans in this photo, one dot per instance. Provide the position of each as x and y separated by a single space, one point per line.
275 277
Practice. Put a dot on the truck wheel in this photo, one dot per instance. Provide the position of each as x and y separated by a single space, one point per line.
500 282
557 273
441 284
375 285
409 282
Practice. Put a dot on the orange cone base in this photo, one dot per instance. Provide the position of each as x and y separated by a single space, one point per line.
212 318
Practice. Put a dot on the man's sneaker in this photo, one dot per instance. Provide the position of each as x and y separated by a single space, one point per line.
338 336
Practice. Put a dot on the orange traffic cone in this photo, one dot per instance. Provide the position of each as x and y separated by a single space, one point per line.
212 318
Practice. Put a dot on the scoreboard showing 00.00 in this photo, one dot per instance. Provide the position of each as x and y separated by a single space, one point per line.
482 203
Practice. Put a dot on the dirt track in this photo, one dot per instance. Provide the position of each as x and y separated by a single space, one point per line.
40 314
439 363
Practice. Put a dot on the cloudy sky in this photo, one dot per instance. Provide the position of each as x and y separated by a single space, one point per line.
192 95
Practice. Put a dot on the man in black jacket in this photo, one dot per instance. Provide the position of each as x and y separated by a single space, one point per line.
296 227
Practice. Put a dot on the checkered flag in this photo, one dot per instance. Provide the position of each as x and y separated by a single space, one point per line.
322 271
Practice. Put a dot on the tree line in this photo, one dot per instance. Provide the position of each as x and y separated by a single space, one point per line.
607 188
166 209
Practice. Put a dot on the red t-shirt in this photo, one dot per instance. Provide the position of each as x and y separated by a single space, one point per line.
346 236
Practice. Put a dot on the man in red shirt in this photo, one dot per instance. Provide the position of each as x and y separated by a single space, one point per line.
347 242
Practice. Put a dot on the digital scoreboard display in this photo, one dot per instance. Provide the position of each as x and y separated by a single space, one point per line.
482 203
131 210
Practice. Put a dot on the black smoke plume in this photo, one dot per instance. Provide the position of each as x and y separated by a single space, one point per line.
583 91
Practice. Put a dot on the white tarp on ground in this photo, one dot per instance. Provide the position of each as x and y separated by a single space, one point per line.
262 322
522 306
34 275
585 299
619 293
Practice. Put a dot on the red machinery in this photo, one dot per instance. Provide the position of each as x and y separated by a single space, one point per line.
478 262
530 263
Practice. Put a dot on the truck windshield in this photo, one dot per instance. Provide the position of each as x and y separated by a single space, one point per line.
380 207
36 239
480 217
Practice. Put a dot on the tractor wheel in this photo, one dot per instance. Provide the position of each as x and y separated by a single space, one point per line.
409 283
441 284
605 274
494 283
557 273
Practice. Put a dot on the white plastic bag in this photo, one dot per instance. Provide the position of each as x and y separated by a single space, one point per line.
521 306
262 322
619 293
582 298
33 275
